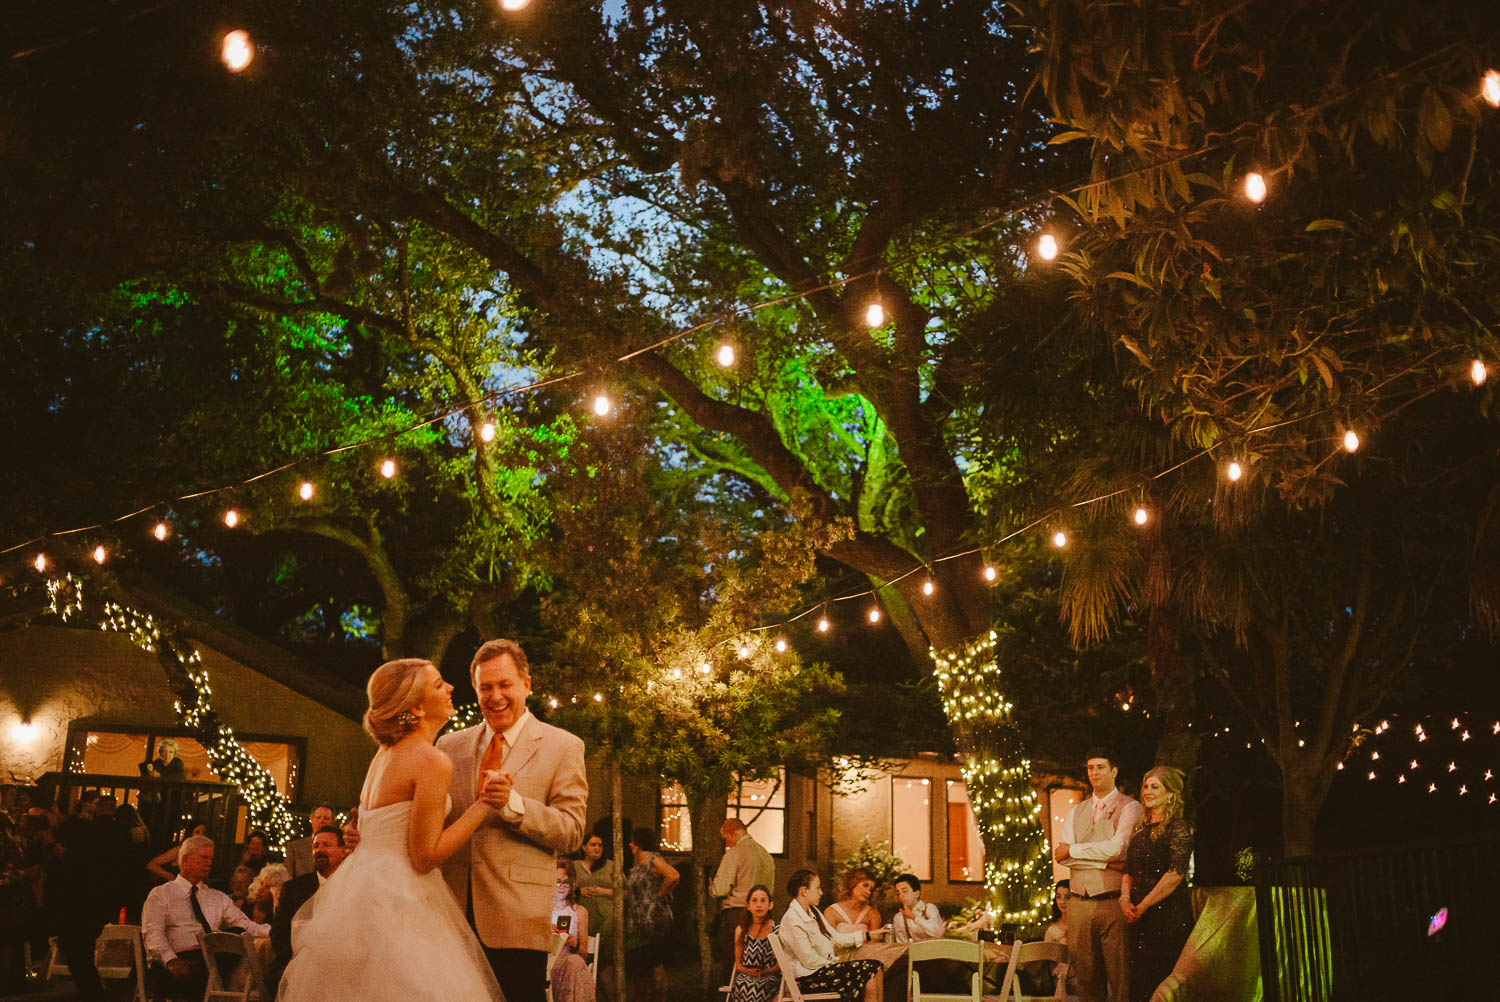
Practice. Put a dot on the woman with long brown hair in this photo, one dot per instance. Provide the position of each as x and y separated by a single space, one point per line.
1154 896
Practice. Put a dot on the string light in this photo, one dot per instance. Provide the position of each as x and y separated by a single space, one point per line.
40 563
823 624
1234 471
236 51
676 673
1489 88
928 587
487 432
1477 372
602 405
990 573
100 554
598 697
705 668
874 614
552 703
1059 539
388 468
725 355
875 315
1046 247
161 531
1142 516
1255 187
744 651
780 645
231 518
1351 440
514 5
306 490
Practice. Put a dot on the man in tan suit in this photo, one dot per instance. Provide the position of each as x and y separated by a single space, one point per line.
506 875
1092 845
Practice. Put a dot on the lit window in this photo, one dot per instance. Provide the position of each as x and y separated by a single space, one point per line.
965 849
911 823
761 804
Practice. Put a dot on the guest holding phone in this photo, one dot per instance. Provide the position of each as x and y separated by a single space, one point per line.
570 977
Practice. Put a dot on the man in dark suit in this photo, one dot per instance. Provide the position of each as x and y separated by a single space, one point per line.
328 853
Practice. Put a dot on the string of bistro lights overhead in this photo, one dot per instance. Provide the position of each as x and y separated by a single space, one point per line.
1003 800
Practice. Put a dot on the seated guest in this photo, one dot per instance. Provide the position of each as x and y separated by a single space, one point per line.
177 912
570 977
917 919
257 854
164 867
756 977
265 890
853 912
239 886
810 945
328 852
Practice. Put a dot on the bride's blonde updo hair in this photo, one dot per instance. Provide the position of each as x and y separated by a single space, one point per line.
394 690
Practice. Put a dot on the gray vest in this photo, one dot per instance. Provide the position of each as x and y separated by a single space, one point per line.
1087 880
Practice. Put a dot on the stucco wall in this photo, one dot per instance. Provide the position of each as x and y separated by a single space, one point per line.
53 675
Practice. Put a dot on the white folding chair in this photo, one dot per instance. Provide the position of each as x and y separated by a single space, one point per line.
120 955
559 940
246 982
55 966
594 958
1026 953
967 951
789 989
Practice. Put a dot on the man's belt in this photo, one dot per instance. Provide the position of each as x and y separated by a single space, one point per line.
1097 897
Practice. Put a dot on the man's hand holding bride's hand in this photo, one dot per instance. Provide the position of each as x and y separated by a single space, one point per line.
496 791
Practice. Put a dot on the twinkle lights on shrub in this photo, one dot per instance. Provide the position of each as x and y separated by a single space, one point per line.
189 681
1017 865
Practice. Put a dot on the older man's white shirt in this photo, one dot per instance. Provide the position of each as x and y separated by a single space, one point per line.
170 927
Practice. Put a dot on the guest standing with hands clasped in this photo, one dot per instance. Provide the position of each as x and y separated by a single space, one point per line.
1092 845
1153 894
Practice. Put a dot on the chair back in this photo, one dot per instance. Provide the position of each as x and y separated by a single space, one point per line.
1027 953
120 955
594 958
559 940
967 951
246 981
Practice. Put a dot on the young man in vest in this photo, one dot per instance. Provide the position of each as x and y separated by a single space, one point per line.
1092 846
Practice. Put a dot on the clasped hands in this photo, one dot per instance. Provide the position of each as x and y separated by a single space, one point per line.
1131 912
495 793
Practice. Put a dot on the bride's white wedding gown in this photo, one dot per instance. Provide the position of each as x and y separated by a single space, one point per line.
379 930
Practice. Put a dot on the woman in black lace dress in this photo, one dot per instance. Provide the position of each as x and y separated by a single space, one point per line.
1154 896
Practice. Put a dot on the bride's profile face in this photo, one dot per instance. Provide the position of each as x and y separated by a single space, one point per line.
437 700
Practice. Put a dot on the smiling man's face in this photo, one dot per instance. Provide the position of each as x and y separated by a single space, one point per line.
502 691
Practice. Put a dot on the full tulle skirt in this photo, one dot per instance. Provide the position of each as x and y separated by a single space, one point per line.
378 930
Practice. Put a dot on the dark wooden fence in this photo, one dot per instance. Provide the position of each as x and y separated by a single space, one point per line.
1404 922
168 807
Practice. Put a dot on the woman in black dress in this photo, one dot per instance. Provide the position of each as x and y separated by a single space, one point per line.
1154 896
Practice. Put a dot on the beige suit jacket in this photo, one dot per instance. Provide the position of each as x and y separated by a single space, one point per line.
511 866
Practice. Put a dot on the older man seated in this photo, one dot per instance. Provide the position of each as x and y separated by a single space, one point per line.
176 912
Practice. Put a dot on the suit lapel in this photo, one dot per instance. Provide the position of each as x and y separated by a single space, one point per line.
526 749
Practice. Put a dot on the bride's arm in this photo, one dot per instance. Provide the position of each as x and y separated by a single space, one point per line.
428 843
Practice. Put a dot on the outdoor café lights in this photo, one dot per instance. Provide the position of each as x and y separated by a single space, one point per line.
388 468
1351 440
514 4
100 554
231 518
1046 247
725 355
1478 373
602 405
875 315
1234 471
1255 187
1489 88
306 490
487 432
1059 539
160 532
236 51
1141 516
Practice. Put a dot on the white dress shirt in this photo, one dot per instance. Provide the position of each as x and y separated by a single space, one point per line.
807 947
1096 855
926 923
515 809
170 927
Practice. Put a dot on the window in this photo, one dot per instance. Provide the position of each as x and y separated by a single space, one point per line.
121 750
965 850
1060 800
911 823
760 803
810 799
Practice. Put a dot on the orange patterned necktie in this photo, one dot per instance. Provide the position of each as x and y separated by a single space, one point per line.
494 756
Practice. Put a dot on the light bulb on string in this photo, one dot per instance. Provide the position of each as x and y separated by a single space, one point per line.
744 651
1046 247
160 531
823 624
705 669
780 645
236 50
1234 471
875 315
725 355
1477 372
100 554
1059 539
1489 88
40 563
602 405
598 697
306 490
990 573
1351 440
928 587
231 518
487 432
676 673
874 614
514 5
552 703
388 468
1255 187
1141 516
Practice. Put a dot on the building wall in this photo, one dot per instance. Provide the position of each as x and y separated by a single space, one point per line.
51 676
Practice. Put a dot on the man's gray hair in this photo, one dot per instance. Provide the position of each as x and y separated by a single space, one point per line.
192 844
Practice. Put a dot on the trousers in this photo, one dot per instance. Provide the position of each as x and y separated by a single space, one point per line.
1098 949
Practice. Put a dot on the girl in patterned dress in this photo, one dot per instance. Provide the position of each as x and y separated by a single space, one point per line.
756 978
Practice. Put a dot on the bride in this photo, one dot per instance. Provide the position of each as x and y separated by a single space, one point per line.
385 925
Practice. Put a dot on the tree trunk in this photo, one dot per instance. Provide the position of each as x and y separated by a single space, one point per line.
617 904
1302 796
1172 682
706 812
